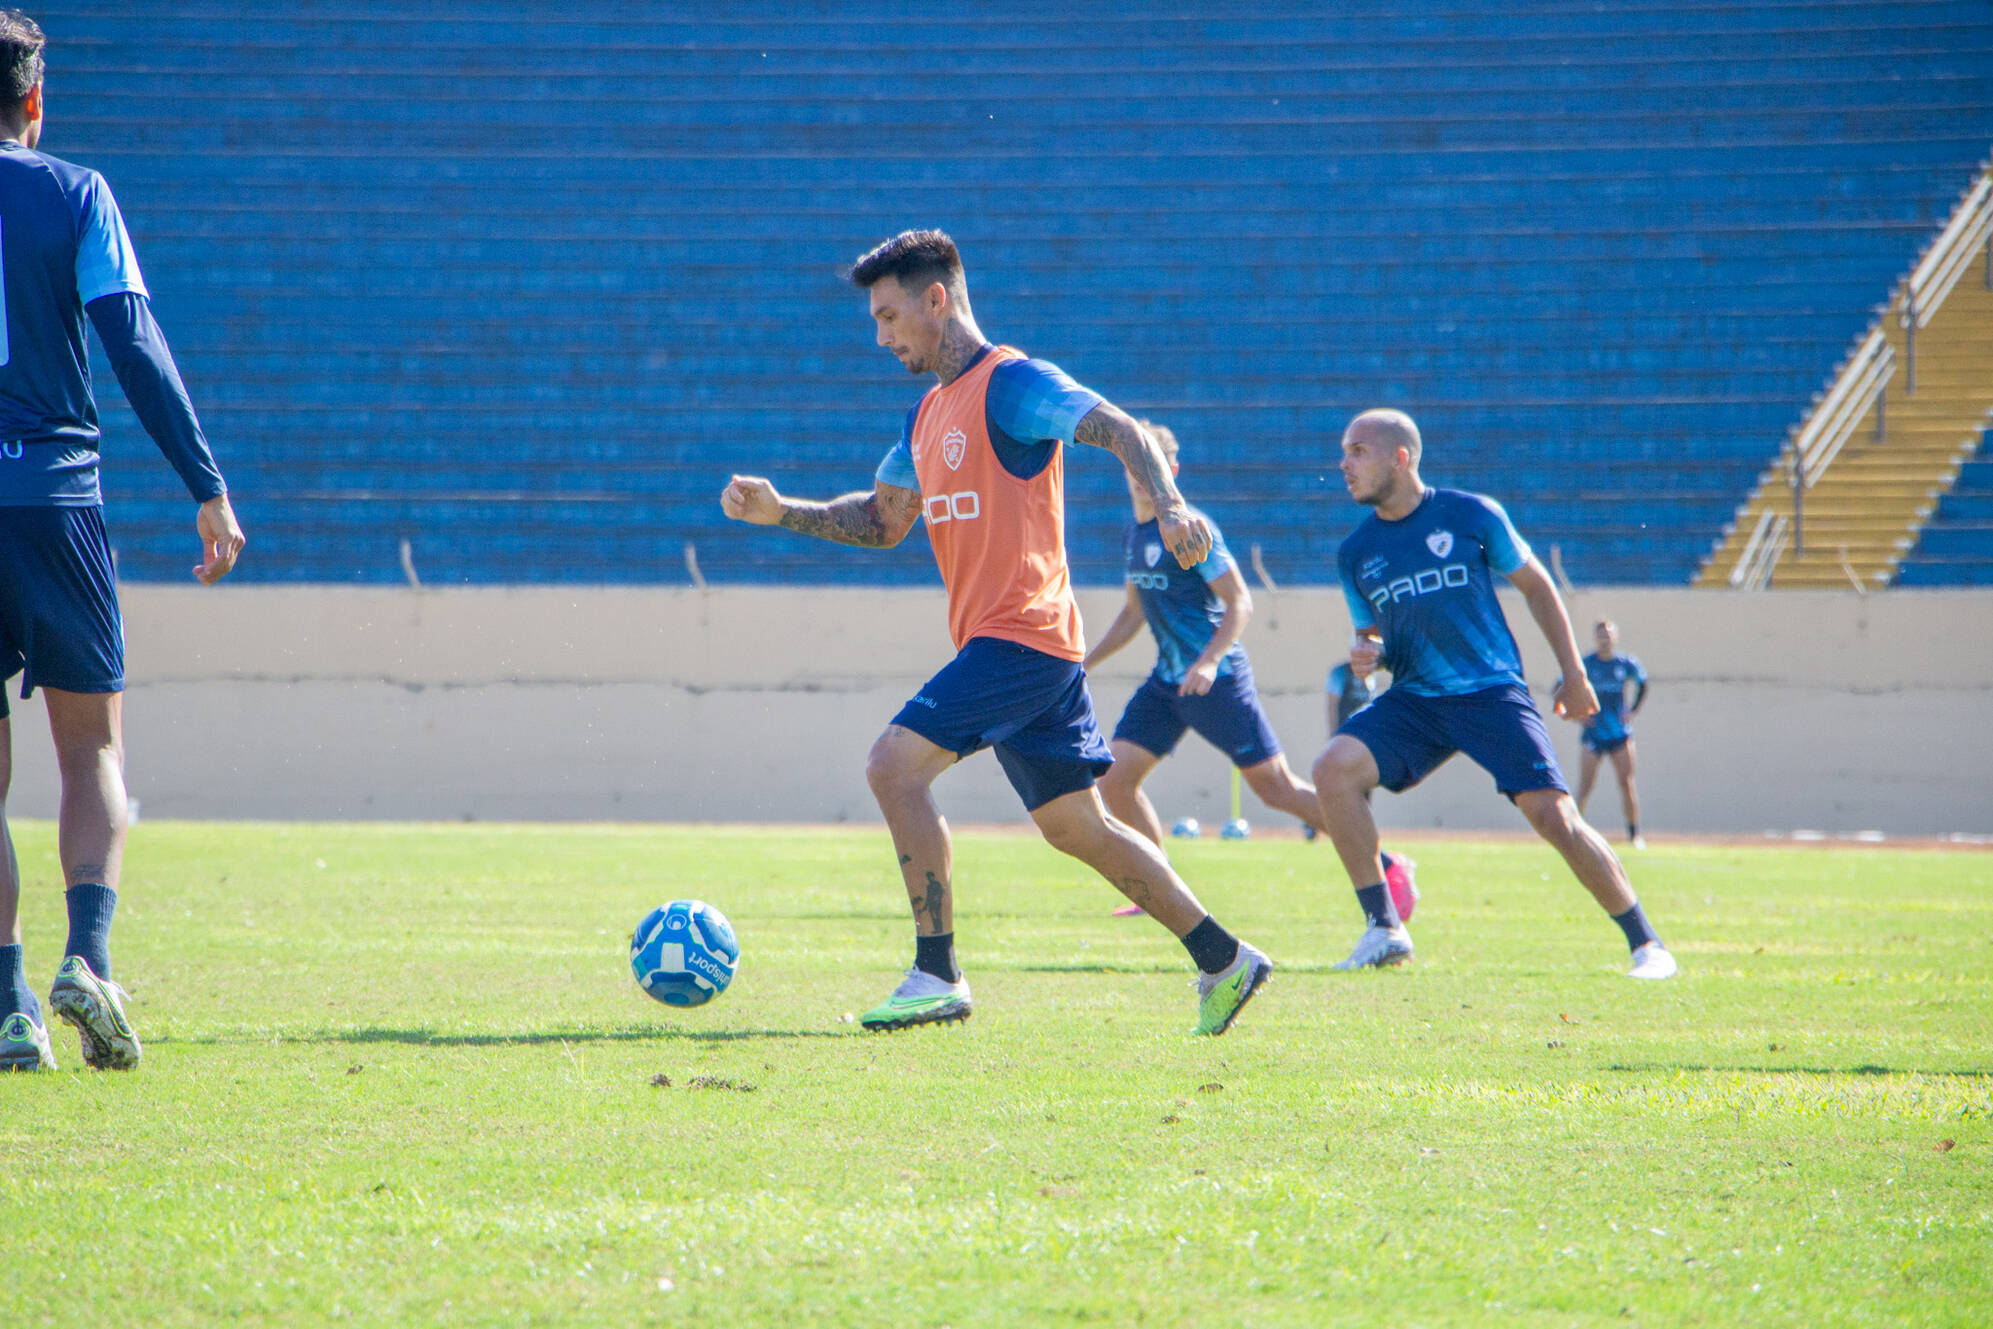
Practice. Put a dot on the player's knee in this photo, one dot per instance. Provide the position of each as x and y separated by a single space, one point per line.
888 775
1555 819
1341 768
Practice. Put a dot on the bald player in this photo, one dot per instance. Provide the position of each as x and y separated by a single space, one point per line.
981 461
1418 574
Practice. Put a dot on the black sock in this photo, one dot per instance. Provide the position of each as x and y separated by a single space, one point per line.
90 909
1636 927
16 997
936 955
1211 947
1378 911
1633 830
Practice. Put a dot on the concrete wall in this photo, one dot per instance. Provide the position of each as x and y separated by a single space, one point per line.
1786 710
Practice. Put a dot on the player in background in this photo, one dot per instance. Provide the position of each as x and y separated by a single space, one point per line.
64 252
1610 732
981 461
1202 679
1418 575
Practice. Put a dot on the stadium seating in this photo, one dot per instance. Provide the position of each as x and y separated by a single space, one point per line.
524 291
1956 547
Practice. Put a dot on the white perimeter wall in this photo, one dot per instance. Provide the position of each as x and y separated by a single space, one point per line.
1794 709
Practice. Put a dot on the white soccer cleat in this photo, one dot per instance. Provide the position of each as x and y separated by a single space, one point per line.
1379 948
1639 842
1652 960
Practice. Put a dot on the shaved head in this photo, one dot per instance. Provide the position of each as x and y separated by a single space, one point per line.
1392 429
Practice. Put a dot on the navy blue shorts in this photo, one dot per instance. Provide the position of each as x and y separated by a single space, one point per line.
1499 728
1033 708
59 623
1228 717
1603 745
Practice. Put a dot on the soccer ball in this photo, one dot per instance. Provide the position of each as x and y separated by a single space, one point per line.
1238 828
684 953
1186 828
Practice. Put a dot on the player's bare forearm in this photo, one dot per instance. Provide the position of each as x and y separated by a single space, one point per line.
1119 633
1108 426
1237 598
854 519
1547 608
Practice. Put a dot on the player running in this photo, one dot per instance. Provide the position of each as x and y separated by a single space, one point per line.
980 461
63 250
1610 733
1418 575
1202 679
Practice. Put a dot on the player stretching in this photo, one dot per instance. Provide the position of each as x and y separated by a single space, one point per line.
1417 575
63 250
980 460
1609 733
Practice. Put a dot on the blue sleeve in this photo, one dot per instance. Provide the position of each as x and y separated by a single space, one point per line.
1506 549
1360 614
105 260
1033 401
1639 670
145 369
897 468
1219 561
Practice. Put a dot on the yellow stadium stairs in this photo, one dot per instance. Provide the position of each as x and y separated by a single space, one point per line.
1863 513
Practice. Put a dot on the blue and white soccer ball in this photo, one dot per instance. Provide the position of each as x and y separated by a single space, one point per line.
1238 828
684 953
1186 828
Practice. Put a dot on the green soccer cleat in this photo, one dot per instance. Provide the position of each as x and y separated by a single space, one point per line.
24 1045
921 999
96 1006
1221 996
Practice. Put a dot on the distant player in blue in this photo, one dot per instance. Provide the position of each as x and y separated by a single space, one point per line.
1202 679
1418 574
1347 694
1621 685
64 252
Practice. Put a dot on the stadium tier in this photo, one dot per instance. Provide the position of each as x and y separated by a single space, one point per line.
522 290
1956 546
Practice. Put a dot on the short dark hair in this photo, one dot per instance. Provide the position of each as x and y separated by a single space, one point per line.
21 64
917 258
1165 437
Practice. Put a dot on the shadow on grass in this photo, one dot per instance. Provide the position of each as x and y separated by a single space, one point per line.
1865 1069
428 1038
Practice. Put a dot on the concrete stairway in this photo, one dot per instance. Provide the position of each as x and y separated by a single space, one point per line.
1863 514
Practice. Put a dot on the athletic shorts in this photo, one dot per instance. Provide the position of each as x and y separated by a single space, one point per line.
59 623
1499 728
1228 717
1603 745
1033 708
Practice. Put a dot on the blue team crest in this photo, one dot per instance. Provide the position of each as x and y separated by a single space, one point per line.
953 444
1441 543
1154 553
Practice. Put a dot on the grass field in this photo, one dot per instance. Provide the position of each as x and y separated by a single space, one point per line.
400 1074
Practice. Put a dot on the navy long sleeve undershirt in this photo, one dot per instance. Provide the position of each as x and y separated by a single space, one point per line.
145 369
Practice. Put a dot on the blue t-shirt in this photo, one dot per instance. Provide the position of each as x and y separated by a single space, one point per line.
1030 408
62 245
1352 694
1427 584
1613 680
1182 609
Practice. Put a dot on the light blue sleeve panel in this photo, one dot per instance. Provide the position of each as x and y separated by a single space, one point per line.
1361 615
1033 401
105 261
1507 551
1639 670
1219 561
897 468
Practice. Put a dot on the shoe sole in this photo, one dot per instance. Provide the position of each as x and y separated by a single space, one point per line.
1391 961
90 1015
950 1015
1260 975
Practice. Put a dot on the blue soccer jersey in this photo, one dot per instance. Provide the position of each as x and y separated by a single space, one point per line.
62 245
1613 680
1030 408
1426 583
1182 609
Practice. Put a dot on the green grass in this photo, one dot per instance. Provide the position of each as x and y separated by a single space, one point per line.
400 1074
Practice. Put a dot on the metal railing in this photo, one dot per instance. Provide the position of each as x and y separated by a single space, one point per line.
1761 552
1969 231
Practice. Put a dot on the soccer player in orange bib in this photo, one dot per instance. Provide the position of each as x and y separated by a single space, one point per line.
980 461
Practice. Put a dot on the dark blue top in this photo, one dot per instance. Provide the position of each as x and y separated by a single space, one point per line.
1612 680
1031 406
1427 584
1182 609
63 246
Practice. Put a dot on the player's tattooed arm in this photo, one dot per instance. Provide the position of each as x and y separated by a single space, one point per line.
1107 426
876 519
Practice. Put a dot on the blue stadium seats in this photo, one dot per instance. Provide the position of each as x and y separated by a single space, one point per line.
1956 545
523 291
